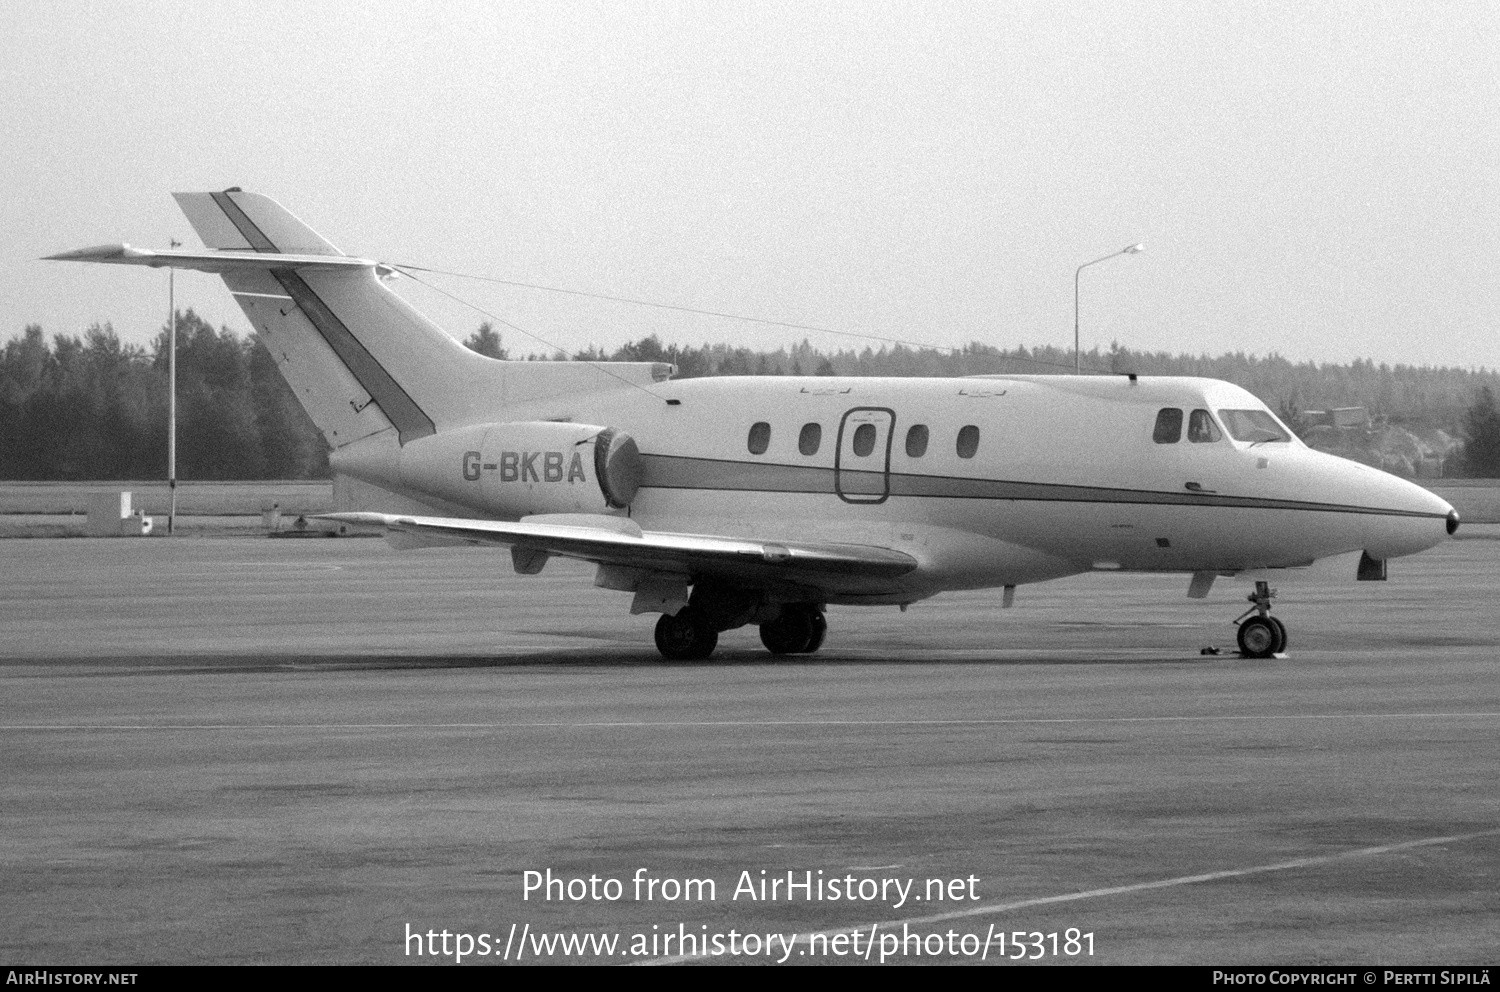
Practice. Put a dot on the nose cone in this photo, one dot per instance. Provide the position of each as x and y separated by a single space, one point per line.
1415 519
1378 513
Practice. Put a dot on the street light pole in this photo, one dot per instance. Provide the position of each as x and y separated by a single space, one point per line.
172 395
1128 250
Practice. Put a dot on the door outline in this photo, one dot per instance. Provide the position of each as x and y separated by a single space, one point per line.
870 498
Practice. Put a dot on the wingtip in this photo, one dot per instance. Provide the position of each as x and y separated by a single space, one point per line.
352 517
90 254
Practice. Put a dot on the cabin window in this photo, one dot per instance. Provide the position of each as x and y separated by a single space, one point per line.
1168 426
916 441
864 439
1202 429
968 441
1253 426
810 438
760 437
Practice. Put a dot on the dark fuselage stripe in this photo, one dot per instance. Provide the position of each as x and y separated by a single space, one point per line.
678 472
398 406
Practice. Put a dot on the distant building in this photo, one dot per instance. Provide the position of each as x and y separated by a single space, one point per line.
1420 453
1342 416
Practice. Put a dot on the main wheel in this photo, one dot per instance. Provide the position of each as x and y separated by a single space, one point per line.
684 637
1280 634
820 629
1258 637
790 633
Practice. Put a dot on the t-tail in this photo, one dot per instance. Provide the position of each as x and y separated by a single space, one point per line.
360 360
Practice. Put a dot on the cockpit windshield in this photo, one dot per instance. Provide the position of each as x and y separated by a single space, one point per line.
1252 425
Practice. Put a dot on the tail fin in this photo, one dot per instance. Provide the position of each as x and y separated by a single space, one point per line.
238 221
393 373
359 359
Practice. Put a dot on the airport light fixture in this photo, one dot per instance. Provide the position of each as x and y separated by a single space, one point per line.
1127 250
172 395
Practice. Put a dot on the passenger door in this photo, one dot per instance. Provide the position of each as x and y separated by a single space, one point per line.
862 465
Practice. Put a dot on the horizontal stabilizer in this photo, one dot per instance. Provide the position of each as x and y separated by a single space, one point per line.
686 554
208 261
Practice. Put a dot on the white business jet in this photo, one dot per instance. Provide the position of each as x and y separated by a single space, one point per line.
721 502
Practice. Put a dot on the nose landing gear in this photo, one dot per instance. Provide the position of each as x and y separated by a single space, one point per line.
1262 635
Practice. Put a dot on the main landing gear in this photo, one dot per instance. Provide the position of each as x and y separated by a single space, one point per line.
693 633
1262 635
798 629
686 636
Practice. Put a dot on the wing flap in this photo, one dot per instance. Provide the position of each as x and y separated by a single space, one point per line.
617 541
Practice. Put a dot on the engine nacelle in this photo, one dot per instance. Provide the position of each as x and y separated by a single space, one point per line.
519 469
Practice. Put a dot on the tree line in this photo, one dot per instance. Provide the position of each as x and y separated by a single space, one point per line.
91 407
94 408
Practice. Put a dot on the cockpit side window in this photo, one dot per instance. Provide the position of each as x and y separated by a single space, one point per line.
1202 429
1168 426
1253 426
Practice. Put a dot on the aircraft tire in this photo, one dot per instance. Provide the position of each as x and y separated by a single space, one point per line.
1281 638
820 630
1258 637
684 637
790 633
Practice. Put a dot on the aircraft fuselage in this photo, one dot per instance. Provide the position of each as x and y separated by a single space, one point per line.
988 481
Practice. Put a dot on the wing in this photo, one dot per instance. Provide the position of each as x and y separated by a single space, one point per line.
619 541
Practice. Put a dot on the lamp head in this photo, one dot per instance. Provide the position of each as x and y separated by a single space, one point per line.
1133 249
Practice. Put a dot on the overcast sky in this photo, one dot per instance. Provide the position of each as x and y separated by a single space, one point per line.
1320 180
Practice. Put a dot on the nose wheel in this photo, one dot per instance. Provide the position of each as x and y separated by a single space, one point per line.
1261 635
